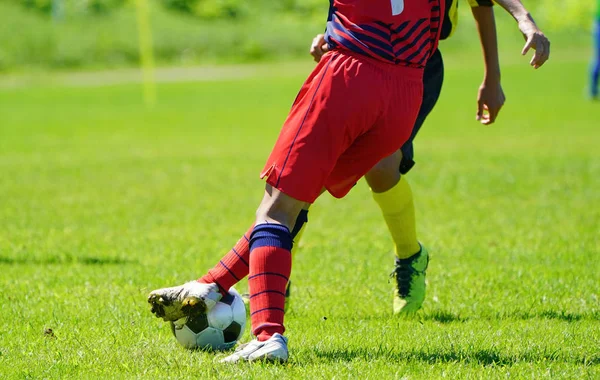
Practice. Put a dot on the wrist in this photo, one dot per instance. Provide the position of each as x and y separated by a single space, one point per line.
491 77
523 16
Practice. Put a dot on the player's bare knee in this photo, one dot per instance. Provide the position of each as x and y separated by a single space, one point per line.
385 174
278 207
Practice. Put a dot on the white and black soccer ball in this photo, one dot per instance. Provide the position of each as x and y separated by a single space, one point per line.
219 329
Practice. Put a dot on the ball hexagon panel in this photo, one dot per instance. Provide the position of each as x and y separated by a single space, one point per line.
220 316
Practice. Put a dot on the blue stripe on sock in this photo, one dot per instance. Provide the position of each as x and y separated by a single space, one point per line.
271 235
239 256
267 291
228 270
267 274
268 308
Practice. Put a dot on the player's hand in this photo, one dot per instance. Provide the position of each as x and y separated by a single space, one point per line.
536 40
490 100
318 47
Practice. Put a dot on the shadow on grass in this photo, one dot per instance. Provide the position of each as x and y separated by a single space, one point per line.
66 259
487 357
443 316
552 314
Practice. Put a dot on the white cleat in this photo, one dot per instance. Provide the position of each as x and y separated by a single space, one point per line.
191 298
272 350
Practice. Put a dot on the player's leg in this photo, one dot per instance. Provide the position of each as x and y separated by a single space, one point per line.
176 302
332 137
595 71
234 265
390 190
299 161
270 268
304 155
397 207
393 194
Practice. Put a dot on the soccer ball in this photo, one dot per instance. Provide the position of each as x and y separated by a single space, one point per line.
219 329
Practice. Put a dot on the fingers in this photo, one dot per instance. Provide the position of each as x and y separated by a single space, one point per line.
318 47
540 43
528 45
489 113
493 114
485 116
315 50
542 51
480 106
537 59
489 102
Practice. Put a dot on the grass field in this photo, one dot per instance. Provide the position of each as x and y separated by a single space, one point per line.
103 200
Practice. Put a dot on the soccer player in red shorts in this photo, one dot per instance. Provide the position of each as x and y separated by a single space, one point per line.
387 181
358 106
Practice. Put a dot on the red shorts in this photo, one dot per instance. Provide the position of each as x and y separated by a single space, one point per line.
351 112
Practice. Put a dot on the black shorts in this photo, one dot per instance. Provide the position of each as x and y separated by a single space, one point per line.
433 77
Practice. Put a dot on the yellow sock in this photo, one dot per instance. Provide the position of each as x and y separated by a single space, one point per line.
398 210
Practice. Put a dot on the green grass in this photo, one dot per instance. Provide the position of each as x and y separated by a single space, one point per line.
103 200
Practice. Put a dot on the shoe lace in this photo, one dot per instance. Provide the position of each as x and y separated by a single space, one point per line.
403 273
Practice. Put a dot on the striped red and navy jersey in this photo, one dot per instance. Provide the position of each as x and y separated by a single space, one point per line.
401 32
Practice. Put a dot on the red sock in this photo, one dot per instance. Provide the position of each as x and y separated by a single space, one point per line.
233 266
270 267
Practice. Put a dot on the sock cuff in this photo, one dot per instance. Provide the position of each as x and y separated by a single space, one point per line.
271 235
398 195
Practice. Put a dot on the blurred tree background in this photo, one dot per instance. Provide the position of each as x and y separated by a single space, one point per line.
67 34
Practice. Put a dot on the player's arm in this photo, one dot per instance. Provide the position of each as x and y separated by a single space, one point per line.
490 98
534 37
